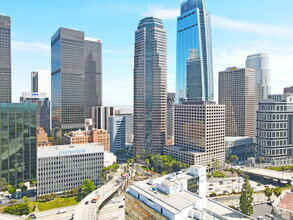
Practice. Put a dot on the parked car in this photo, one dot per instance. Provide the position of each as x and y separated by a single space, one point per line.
217 189
260 218
211 184
259 184
60 211
226 192
210 188
269 215
121 206
266 186
87 202
221 182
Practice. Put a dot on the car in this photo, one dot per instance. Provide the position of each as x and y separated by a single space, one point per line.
229 186
253 188
260 218
217 189
266 186
235 187
87 202
121 206
233 180
211 184
226 192
210 188
259 184
32 216
242 166
221 182
269 215
60 211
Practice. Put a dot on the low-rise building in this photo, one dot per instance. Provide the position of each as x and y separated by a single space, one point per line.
85 137
42 138
242 147
65 167
178 196
283 206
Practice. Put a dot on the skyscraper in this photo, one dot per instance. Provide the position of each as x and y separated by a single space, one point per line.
68 82
41 82
117 125
150 87
236 92
170 117
100 117
194 34
260 64
5 59
93 75
18 142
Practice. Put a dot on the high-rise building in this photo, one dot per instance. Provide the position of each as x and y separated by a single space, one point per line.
100 117
150 87
236 92
128 114
92 136
117 132
68 82
260 64
5 59
194 73
18 142
41 82
199 134
93 74
170 118
274 129
43 108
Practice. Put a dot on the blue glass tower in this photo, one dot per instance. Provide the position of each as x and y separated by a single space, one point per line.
194 34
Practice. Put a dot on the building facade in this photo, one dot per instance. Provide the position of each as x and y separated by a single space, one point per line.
85 137
194 53
100 117
42 138
199 133
237 93
288 90
41 82
18 142
242 147
65 167
117 126
68 74
42 108
150 88
128 114
275 130
170 118
5 59
260 64
93 74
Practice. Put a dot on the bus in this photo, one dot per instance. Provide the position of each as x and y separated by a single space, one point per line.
96 197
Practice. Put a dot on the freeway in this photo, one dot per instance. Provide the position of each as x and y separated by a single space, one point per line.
52 214
115 209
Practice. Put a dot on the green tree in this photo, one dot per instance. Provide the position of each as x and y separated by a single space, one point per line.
132 161
277 191
246 198
34 183
216 164
11 190
18 209
137 158
88 187
268 192
233 159
147 162
261 160
4 186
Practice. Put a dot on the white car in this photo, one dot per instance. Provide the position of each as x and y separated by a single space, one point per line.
60 211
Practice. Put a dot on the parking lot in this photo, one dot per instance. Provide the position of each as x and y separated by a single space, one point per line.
226 185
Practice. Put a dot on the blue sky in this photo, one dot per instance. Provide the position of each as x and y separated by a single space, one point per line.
239 28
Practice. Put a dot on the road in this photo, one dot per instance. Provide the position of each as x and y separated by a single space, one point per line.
112 210
52 214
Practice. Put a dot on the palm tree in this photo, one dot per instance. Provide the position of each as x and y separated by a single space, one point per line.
232 171
147 161
233 158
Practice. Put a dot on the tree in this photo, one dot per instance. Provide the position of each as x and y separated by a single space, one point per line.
88 187
147 161
239 172
22 186
246 198
268 192
277 191
137 158
233 158
132 161
216 164
11 190
4 186
18 209
34 183
261 160
232 170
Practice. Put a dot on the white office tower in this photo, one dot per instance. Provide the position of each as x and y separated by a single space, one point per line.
41 82
260 63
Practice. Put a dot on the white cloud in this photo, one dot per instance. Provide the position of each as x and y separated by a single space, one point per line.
163 13
31 46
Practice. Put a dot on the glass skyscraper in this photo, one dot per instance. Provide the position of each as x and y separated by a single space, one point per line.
67 82
194 34
5 59
150 87
18 146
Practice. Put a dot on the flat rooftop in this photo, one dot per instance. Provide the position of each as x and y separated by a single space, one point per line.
286 202
70 146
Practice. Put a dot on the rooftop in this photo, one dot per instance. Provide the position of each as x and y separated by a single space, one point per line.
70 146
184 150
286 202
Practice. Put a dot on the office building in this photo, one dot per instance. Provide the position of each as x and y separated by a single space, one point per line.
288 90
65 167
150 88
117 133
100 117
42 138
199 133
170 117
194 67
85 137
93 74
68 81
128 114
176 196
18 142
42 108
41 82
260 64
275 130
5 59
237 93
242 147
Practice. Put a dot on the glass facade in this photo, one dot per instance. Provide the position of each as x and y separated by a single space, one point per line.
150 87
194 33
67 82
5 59
18 147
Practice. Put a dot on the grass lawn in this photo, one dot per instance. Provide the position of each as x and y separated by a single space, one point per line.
57 203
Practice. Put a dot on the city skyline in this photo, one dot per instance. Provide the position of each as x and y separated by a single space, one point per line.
258 33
